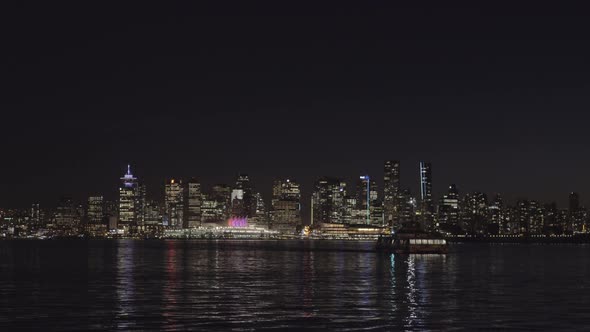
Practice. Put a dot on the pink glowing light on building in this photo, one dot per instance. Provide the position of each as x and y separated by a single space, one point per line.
238 222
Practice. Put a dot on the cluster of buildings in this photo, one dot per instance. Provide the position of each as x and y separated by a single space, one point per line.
337 209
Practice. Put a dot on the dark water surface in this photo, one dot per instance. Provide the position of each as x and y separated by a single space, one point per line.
247 285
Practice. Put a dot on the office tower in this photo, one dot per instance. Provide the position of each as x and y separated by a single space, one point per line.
193 204
238 206
391 191
367 200
95 215
152 213
475 212
523 212
174 199
350 215
111 208
261 217
496 211
209 215
328 200
128 200
448 211
408 206
249 203
221 194
286 206
35 214
577 214
426 204
66 215
140 202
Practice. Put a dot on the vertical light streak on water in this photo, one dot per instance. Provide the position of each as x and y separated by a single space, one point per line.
125 285
308 282
411 293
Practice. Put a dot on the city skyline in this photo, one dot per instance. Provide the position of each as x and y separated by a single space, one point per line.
183 205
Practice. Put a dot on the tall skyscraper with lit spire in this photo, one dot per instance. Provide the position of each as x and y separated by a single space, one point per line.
128 200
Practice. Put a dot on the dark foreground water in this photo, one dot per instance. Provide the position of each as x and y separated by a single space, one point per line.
180 285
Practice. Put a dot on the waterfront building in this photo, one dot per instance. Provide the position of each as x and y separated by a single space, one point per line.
577 214
261 217
66 215
249 203
286 206
174 203
426 211
95 215
328 201
391 192
35 214
474 213
192 200
128 200
495 215
221 194
408 206
448 211
153 213
367 200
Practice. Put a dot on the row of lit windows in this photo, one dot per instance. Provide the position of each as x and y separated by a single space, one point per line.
428 241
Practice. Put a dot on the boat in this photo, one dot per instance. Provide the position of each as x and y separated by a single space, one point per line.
412 239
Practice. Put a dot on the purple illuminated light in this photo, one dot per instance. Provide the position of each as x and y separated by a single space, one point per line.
238 222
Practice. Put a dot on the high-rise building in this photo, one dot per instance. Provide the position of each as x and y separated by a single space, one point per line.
426 203
249 203
496 216
286 206
238 206
193 204
35 214
95 213
448 210
261 217
408 206
391 192
66 215
475 212
577 214
328 200
128 200
174 199
367 200
152 213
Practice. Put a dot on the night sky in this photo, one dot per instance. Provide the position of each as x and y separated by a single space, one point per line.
495 97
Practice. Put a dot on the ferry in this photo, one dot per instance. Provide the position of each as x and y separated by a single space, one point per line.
411 239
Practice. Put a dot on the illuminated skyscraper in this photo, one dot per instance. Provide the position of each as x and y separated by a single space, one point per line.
128 200
367 200
193 204
66 215
261 218
448 210
391 192
426 204
328 200
95 213
286 206
173 198
249 203
35 214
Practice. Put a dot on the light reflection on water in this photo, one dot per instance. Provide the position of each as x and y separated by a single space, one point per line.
179 285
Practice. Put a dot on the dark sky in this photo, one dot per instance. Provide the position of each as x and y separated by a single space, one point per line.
495 97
